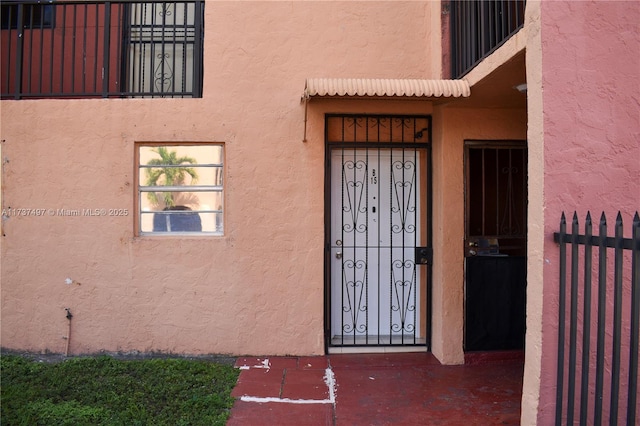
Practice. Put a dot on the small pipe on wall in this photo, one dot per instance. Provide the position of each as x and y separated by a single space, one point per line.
69 316
305 98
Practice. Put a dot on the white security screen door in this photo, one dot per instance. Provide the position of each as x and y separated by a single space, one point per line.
377 245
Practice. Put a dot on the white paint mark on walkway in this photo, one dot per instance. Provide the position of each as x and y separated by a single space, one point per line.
329 380
264 364
286 400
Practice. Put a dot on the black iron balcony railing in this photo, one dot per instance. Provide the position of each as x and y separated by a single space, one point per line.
478 27
85 49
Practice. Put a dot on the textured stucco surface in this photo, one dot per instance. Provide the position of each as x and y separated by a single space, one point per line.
259 288
454 126
535 217
591 123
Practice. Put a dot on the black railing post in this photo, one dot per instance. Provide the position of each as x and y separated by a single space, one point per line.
635 322
573 324
617 322
73 48
107 42
602 296
62 48
561 317
125 45
586 323
19 51
51 47
198 51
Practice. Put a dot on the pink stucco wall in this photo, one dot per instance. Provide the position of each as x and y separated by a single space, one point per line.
259 288
591 125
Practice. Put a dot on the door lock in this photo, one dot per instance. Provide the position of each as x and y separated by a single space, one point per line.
339 255
424 256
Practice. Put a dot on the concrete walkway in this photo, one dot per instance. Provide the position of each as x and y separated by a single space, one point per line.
376 389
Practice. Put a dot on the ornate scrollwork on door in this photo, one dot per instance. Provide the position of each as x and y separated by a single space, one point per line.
354 296
403 206
354 177
403 296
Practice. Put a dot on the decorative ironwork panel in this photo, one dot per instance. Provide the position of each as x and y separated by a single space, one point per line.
161 47
87 49
378 203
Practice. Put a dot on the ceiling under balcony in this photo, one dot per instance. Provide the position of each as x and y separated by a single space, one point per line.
498 89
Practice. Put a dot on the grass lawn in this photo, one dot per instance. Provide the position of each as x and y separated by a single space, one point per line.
107 391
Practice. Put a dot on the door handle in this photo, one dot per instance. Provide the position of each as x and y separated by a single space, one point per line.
472 252
339 255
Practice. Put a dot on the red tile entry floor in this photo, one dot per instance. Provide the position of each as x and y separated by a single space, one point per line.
377 389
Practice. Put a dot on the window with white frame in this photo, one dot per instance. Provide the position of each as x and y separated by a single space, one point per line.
180 188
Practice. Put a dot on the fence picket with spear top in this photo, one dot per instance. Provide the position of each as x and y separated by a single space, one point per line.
609 351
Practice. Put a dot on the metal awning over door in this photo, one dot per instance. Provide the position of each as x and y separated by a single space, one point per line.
381 88
370 87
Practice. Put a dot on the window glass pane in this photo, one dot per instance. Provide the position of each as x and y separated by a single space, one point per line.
197 175
180 154
181 221
203 200
181 188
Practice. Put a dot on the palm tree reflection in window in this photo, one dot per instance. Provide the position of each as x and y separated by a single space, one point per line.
172 207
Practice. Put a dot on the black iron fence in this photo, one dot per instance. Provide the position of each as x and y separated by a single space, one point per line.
478 27
86 49
597 382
